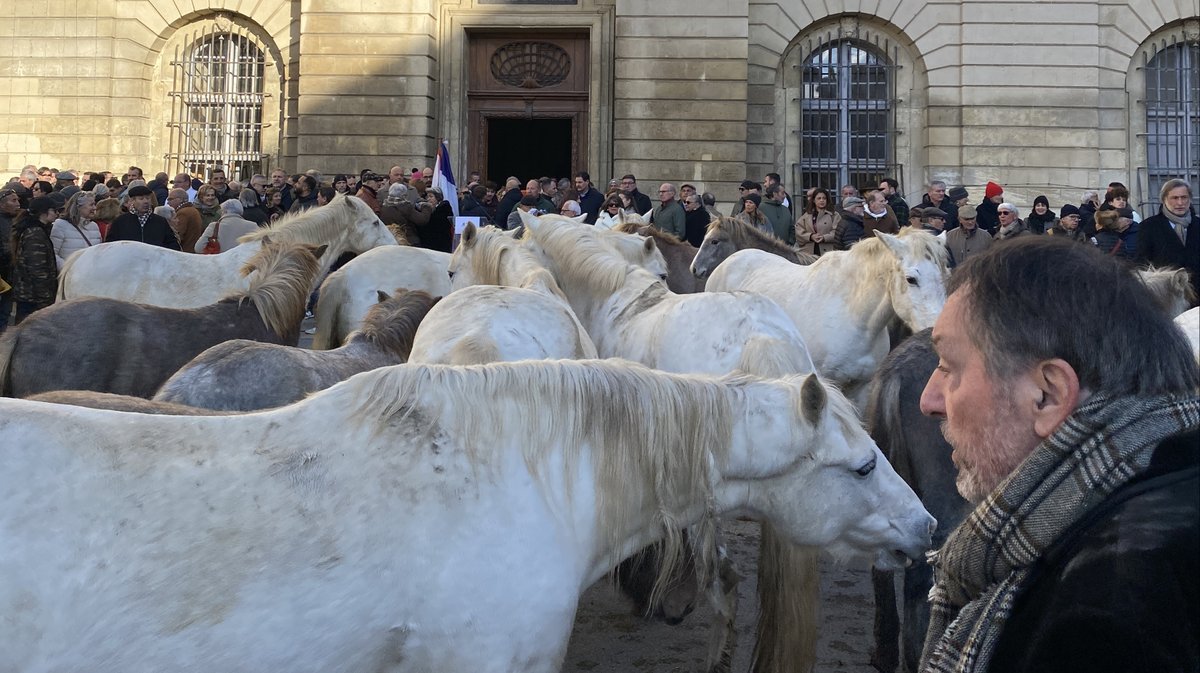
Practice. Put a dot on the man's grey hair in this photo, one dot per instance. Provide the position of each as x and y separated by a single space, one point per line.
29 174
1070 319
165 212
937 183
258 176
232 207
1090 195
100 190
249 198
1174 184
1008 206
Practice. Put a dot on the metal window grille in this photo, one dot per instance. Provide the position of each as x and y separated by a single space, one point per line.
847 114
1172 103
217 115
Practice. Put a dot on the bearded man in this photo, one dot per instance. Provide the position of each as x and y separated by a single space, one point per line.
1076 436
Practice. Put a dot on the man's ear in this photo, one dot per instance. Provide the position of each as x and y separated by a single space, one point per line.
1058 386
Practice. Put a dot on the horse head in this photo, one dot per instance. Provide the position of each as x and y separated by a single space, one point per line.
363 228
477 258
717 245
638 250
837 492
917 283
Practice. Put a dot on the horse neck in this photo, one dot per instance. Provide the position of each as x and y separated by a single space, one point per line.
309 228
747 237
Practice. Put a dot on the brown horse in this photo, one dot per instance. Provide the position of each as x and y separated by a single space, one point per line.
679 255
726 236
113 346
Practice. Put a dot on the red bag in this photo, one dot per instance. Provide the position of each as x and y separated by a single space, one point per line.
213 246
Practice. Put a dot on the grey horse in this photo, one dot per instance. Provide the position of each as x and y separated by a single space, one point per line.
112 346
726 236
914 445
246 375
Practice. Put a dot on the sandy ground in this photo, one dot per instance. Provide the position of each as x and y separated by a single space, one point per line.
609 639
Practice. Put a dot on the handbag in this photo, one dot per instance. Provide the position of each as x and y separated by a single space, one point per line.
213 246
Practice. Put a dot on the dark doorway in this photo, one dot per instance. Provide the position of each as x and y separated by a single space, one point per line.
528 149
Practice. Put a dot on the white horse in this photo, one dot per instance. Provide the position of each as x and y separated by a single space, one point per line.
1189 322
843 302
348 293
149 274
410 519
631 314
504 306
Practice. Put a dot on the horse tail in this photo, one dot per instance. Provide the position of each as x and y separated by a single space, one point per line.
63 273
788 581
8 345
329 314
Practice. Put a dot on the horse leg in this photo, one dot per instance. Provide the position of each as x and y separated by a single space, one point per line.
789 596
918 579
723 596
886 656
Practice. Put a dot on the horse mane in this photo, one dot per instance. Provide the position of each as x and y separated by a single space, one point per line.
649 230
580 255
883 418
391 324
322 223
663 459
926 244
285 273
489 249
744 236
1169 285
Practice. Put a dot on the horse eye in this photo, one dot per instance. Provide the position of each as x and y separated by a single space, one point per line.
866 469
662 276
912 280
451 274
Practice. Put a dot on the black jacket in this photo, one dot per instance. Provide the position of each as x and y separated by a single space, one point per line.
1123 592
947 207
590 204
1158 244
469 207
987 216
511 198
695 225
156 232
438 232
848 232
641 202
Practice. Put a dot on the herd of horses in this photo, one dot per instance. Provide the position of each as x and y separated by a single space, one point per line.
473 440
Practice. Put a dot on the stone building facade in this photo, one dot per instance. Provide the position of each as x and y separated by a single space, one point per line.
1043 97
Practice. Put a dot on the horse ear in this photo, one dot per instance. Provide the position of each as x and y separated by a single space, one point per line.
383 296
468 234
649 245
893 243
646 216
530 221
320 250
812 399
582 217
349 203
266 240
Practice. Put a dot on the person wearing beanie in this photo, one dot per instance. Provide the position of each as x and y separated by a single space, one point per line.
1068 224
753 216
958 196
746 188
987 215
967 239
35 272
850 228
1041 219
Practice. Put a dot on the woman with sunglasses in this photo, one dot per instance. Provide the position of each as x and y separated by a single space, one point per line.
610 213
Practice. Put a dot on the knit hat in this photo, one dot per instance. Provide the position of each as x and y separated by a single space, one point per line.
41 204
1042 200
753 197
992 190
957 193
852 201
1068 210
967 213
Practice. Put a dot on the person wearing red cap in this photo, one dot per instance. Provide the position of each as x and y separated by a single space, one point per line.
988 215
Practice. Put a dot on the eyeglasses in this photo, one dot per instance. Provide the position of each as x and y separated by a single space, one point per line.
611 206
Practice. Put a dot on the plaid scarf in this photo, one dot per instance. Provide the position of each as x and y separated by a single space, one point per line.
988 560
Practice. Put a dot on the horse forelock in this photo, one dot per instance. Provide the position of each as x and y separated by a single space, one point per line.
392 324
593 410
581 257
927 246
284 274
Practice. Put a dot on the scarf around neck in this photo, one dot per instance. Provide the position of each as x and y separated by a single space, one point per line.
1179 224
990 557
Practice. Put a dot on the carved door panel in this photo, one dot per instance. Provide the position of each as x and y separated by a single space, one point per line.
530 76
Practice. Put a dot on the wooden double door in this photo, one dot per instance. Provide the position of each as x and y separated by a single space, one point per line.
527 104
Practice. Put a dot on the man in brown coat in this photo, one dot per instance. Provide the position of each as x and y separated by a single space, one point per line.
397 209
187 220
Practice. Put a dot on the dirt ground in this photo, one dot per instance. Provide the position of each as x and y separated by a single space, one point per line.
609 639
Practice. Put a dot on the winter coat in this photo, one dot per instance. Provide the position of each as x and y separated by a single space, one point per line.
208 214
256 214
949 208
781 220
408 218
987 216
1158 244
759 221
229 229
1059 230
641 202
67 238
590 203
188 227
825 223
1118 593
695 224
670 218
849 231
511 198
961 244
899 207
156 231
1018 228
6 253
35 270
469 207
888 224
438 232
1040 224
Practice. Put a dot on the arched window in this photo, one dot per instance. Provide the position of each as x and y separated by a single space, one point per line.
1172 104
217 117
847 125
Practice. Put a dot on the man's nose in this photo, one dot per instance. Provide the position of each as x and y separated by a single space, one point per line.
932 403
